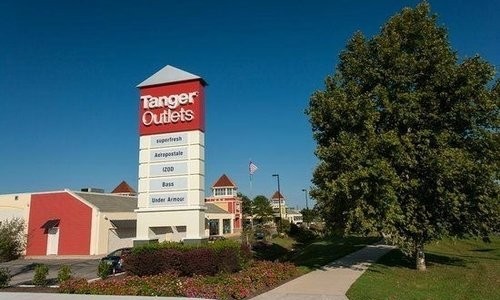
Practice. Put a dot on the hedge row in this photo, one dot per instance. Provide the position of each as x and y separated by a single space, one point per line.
258 277
220 257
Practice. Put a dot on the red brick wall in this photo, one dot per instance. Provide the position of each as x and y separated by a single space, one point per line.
74 226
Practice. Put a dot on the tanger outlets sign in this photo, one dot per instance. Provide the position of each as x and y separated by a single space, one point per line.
170 104
171 108
171 156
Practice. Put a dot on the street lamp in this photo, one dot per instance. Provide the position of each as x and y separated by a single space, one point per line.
279 199
307 209
305 192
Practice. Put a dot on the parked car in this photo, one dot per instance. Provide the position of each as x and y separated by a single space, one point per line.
115 259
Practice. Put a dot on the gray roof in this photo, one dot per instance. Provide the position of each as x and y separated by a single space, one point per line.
169 74
214 209
109 202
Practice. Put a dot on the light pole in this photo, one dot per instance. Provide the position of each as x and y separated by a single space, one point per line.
307 209
279 199
305 192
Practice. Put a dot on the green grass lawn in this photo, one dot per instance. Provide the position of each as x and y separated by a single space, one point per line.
322 252
456 269
314 255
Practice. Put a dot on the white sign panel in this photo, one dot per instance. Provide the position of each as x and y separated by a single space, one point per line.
168 184
169 154
169 140
168 169
169 199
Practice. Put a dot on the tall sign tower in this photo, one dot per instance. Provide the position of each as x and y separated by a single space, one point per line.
171 157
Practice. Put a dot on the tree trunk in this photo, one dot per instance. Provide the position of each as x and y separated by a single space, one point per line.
420 259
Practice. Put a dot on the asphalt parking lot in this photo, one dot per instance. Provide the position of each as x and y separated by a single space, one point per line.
22 270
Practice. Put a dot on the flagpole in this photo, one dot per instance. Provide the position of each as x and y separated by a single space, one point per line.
251 169
250 185
250 175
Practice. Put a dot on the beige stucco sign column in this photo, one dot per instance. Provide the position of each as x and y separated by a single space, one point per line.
171 157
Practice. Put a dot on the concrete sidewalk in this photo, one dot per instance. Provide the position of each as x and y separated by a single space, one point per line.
330 282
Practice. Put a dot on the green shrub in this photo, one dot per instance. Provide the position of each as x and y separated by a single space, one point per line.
4 277
302 234
64 273
104 270
153 261
163 245
12 239
284 226
221 256
40 276
201 261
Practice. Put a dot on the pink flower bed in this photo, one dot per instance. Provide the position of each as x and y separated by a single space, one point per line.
258 277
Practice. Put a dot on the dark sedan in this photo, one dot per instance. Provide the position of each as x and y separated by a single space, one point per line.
115 259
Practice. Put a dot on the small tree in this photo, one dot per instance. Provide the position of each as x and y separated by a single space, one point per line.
40 276
308 215
246 204
12 239
104 270
64 273
262 208
5 277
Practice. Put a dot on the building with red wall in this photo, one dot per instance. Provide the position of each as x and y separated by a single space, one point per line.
224 195
92 222
79 223
58 224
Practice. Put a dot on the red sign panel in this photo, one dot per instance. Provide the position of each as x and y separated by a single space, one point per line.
172 107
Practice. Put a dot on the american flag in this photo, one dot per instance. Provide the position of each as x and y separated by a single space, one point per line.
252 168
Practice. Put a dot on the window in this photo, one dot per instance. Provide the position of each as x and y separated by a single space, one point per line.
226 226
213 225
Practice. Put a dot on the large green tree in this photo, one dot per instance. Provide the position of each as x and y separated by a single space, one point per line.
408 137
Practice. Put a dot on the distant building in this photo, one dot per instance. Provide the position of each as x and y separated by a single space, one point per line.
294 216
86 222
91 222
124 189
290 214
224 195
275 204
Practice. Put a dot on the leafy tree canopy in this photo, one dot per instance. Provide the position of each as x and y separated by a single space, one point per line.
408 137
308 215
262 208
246 204
12 239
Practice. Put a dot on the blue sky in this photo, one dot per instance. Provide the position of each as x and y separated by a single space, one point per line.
69 70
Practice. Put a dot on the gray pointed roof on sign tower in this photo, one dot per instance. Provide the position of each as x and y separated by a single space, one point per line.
170 74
